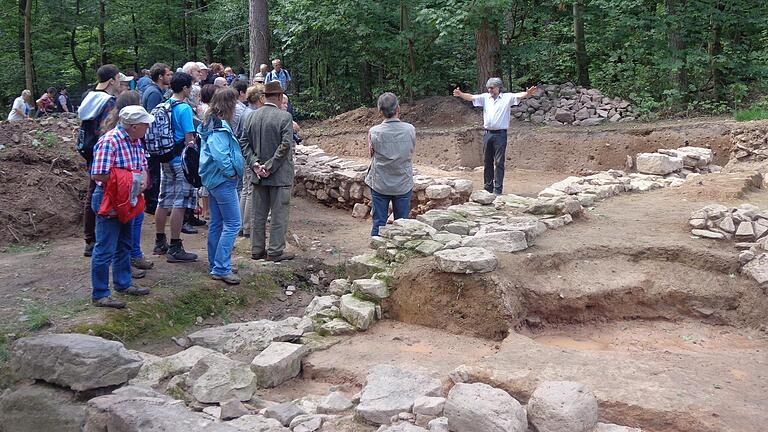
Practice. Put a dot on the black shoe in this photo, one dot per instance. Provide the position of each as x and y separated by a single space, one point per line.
196 221
137 273
135 291
108 302
161 247
282 257
176 253
259 256
88 251
187 228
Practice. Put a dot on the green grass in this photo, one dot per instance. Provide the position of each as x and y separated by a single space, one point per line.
754 113
160 315
38 317
15 248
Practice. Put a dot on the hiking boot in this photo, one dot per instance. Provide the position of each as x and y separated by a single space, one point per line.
142 263
134 291
161 247
137 273
88 251
229 278
259 256
282 257
108 302
176 253
196 221
187 228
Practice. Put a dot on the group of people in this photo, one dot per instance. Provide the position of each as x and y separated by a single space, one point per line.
238 138
51 101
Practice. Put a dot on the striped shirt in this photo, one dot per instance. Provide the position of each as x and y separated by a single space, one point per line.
115 149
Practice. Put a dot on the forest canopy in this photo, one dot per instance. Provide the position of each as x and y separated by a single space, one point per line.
666 56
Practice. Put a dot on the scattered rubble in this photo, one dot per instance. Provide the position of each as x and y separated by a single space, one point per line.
575 105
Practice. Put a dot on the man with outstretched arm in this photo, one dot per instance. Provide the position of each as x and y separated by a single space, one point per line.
496 106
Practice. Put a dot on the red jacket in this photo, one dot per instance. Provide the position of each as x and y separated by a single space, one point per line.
117 196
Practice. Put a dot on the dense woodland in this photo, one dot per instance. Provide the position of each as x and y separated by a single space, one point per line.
666 56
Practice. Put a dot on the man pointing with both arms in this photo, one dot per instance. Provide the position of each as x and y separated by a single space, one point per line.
496 106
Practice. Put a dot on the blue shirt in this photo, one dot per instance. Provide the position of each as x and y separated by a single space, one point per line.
144 83
151 97
183 121
283 76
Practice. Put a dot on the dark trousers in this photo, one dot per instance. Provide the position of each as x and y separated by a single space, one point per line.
89 217
494 153
401 208
150 195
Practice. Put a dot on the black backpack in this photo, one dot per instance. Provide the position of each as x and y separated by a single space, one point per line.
190 164
87 137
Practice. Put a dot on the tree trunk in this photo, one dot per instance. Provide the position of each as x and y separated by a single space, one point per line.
487 38
101 34
677 47
29 72
365 82
405 28
135 43
582 61
715 49
259 34
185 29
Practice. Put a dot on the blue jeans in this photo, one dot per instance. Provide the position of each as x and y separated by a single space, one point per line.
112 249
401 207
224 226
136 224
494 153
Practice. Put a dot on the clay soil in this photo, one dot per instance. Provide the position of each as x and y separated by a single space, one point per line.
626 281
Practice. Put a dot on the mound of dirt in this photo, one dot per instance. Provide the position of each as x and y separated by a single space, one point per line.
436 111
42 181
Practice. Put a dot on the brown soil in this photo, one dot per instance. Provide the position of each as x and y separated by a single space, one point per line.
42 182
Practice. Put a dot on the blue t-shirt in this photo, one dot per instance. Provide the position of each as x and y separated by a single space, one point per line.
183 121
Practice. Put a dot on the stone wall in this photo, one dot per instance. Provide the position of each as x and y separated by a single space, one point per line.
749 150
341 183
570 104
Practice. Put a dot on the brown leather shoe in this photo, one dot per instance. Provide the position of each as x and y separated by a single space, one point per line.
108 302
259 256
135 291
229 279
142 263
137 273
282 257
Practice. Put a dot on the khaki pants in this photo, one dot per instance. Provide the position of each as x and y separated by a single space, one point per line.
245 201
266 199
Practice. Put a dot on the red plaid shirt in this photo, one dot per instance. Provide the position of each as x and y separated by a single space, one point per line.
116 150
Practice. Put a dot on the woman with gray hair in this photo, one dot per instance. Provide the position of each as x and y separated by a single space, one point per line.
21 107
496 106
390 176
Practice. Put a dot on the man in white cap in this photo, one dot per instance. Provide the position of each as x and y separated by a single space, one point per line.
496 106
117 153
125 83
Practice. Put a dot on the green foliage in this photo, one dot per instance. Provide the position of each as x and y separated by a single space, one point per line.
758 111
342 53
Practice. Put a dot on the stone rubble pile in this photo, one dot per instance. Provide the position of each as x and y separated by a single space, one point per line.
678 163
749 142
574 105
338 182
745 225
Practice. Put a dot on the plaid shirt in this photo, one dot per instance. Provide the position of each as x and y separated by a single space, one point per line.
116 150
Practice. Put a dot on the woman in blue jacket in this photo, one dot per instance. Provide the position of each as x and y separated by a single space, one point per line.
221 165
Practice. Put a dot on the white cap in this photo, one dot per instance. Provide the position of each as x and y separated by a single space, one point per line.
202 66
122 77
135 114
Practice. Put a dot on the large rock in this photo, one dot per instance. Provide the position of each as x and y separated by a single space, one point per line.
114 413
564 116
431 406
757 269
77 361
389 391
257 423
373 289
280 362
363 266
153 372
466 260
248 338
502 241
657 163
481 408
284 412
41 407
323 307
562 406
482 196
437 192
336 326
359 313
334 403
402 427
216 378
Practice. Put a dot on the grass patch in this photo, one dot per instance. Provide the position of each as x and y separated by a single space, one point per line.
37 317
16 248
163 314
755 113
339 271
5 352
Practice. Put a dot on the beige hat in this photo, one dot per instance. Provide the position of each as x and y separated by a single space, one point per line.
122 77
202 66
135 114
